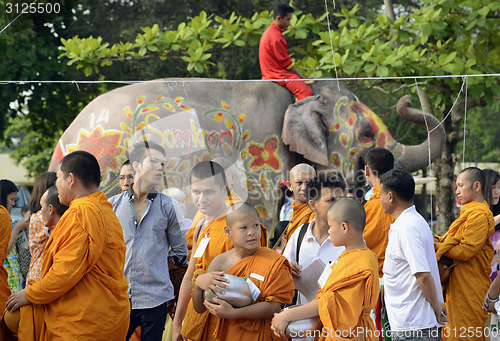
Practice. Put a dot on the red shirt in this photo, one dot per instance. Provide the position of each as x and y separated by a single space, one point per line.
273 54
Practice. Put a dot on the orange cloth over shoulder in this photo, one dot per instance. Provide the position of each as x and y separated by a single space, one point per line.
82 293
376 232
470 280
230 199
196 326
5 230
271 273
349 294
301 214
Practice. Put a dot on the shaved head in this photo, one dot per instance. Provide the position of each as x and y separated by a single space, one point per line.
474 174
349 210
238 209
302 167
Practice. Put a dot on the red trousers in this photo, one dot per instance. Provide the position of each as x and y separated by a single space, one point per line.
299 88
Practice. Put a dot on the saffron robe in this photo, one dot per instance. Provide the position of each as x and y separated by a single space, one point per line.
301 214
82 293
376 232
196 326
470 280
230 199
349 294
271 273
5 230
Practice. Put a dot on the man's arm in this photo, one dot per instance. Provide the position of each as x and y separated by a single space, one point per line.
175 235
212 280
290 251
20 225
185 292
492 296
70 264
426 283
474 236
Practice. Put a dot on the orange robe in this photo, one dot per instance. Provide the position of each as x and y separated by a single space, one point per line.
82 293
276 286
349 294
230 199
197 326
5 230
301 214
470 280
376 232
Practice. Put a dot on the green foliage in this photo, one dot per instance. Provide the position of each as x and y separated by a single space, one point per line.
439 38
483 142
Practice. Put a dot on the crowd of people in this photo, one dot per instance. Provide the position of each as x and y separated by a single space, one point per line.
100 269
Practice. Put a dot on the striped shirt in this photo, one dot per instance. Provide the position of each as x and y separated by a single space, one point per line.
150 243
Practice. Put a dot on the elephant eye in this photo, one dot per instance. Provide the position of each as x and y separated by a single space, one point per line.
366 134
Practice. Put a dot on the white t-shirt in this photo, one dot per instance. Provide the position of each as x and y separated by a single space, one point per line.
410 250
310 250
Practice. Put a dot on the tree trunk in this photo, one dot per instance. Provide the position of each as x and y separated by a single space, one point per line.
444 170
389 10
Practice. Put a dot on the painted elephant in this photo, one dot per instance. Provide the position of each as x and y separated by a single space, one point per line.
198 119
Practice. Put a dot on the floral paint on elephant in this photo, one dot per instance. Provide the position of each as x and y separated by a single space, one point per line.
232 141
105 145
362 126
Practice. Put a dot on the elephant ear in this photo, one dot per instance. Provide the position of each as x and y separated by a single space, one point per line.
304 130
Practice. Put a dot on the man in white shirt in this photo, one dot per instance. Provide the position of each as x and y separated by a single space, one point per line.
412 289
321 193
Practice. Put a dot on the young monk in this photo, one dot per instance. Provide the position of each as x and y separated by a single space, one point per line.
344 301
208 190
264 269
468 240
82 293
300 176
230 198
51 212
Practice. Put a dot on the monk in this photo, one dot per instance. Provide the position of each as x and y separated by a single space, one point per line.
350 291
263 269
208 190
468 240
378 161
82 293
231 198
300 176
51 211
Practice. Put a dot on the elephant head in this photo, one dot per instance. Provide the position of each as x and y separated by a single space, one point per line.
333 128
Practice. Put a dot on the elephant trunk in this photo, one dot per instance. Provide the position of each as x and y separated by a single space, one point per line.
413 158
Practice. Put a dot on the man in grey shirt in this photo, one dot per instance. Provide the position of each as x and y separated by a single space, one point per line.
151 223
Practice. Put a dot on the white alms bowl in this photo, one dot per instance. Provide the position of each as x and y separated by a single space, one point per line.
237 295
299 328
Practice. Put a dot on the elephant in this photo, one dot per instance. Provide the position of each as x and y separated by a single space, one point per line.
254 123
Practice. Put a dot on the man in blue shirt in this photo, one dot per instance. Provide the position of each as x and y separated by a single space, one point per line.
152 229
